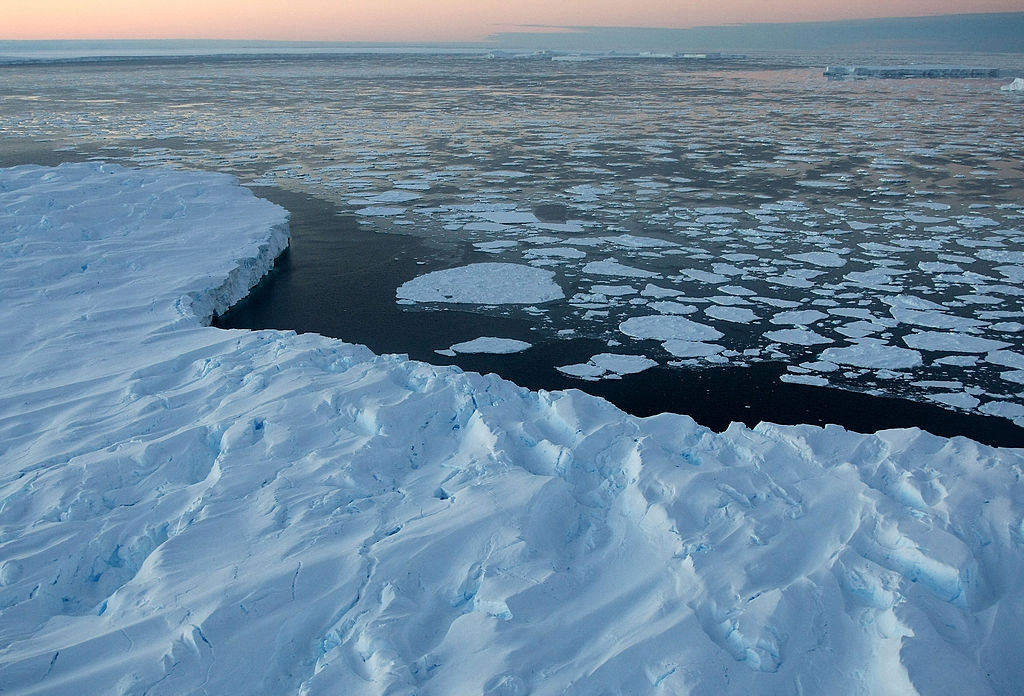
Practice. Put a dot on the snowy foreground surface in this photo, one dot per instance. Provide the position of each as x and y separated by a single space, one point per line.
189 510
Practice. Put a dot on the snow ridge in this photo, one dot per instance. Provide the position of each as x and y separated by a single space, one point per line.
190 510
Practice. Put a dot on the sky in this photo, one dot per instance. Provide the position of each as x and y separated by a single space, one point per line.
423 20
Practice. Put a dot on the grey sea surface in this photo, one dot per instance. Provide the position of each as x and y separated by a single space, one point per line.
765 244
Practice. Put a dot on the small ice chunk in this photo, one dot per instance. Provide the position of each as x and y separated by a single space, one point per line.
611 267
657 291
804 317
590 192
632 241
393 196
1006 358
1015 376
739 315
704 276
827 259
939 267
859 329
717 210
623 364
380 211
496 246
810 380
669 307
1008 327
608 365
934 319
958 360
691 349
613 290
820 366
1006 409
490 344
507 217
799 337
956 399
555 252
585 371
737 290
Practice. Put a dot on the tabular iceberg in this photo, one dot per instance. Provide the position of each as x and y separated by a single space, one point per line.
187 510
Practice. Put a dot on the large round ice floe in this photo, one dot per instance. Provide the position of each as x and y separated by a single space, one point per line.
668 327
483 283
491 344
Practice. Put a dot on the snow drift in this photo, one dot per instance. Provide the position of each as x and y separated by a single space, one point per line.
190 510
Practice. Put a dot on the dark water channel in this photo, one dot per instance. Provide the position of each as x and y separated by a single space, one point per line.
339 279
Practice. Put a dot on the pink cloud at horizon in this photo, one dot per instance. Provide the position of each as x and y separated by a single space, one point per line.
420 20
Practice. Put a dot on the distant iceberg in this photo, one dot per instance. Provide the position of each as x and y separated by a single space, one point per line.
908 71
1016 86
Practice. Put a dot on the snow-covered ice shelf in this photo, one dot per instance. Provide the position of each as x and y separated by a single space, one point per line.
190 510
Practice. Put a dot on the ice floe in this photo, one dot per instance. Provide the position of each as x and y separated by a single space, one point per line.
483 283
668 327
490 344
873 355
608 365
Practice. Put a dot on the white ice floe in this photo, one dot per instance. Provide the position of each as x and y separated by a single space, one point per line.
381 211
609 365
691 349
491 344
668 327
1006 358
496 246
956 399
803 317
704 276
952 342
190 510
507 217
590 192
873 355
935 319
651 290
810 380
393 196
483 283
670 307
739 315
613 290
555 253
611 267
827 259
1016 86
797 336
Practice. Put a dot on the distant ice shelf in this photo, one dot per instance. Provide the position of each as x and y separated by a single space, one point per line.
908 71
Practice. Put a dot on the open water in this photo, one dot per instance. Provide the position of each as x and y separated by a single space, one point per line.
829 231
